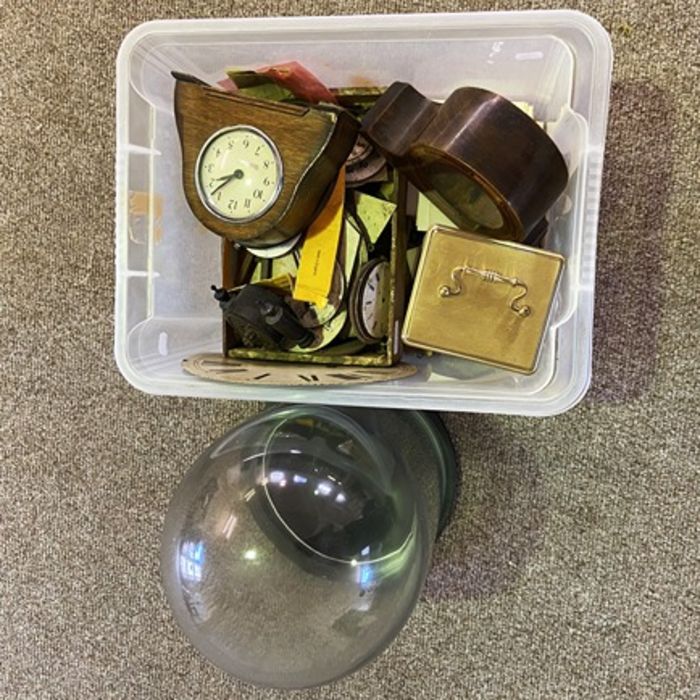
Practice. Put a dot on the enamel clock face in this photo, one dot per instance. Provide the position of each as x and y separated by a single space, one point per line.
369 301
239 173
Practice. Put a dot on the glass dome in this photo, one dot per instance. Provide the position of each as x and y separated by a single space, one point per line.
297 545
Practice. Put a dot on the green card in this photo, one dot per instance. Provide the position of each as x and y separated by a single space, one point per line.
428 215
388 190
252 84
286 265
349 246
412 258
374 213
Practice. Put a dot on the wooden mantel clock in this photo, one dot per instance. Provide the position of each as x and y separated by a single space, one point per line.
256 171
477 156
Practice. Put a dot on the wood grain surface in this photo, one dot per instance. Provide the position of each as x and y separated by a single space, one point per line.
313 144
475 135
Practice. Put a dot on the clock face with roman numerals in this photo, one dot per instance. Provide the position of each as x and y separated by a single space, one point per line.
239 173
218 368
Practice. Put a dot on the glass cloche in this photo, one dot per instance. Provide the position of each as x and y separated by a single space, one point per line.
297 545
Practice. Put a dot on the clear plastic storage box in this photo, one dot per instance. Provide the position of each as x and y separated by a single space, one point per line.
558 61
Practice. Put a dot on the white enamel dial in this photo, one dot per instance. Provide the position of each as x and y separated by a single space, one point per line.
370 301
239 173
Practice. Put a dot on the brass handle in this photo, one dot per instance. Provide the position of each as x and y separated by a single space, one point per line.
455 288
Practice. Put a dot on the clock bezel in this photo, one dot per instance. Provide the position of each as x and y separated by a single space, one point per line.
512 226
278 160
356 297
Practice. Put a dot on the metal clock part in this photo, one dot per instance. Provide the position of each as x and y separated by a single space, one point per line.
482 299
261 317
313 316
360 151
363 163
369 301
276 251
324 335
239 173
217 368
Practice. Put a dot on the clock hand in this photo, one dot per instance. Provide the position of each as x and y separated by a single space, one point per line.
238 173
235 175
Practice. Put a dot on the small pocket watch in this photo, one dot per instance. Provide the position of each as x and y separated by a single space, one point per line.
370 301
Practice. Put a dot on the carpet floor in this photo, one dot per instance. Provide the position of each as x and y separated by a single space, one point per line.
571 568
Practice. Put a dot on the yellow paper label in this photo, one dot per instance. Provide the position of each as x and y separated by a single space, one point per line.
320 248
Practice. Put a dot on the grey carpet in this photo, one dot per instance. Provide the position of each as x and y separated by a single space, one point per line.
571 569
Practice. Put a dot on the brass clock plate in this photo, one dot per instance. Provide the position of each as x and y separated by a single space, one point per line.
482 299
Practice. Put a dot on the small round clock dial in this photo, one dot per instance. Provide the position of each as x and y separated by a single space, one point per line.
369 302
239 173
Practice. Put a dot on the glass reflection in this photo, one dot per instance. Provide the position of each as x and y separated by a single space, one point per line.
191 560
